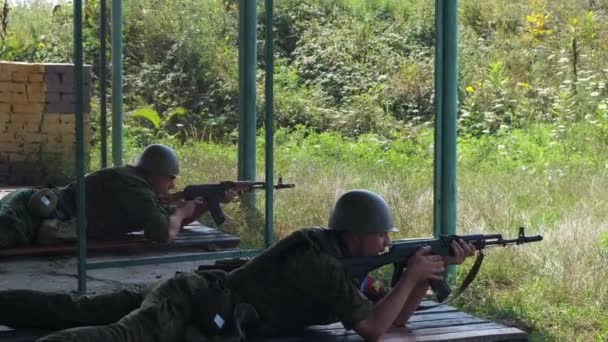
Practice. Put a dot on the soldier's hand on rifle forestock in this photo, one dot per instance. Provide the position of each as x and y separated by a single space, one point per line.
460 251
424 266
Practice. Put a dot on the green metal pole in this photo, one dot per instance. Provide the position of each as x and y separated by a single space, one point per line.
446 102
102 84
450 104
117 82
247 91
438 116
78 111
269 124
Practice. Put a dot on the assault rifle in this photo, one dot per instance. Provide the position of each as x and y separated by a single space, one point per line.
402 250
214 193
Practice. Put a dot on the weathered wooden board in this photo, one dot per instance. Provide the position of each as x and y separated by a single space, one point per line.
192 236
442 323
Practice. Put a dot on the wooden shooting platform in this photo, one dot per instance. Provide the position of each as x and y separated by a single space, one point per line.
443 323
193 236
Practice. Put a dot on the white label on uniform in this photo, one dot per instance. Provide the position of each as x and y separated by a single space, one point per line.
219 321
45 200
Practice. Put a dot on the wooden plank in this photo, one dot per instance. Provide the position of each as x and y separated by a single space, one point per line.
457 328
445 323
489 335
439 316
442 308
193 236
476 332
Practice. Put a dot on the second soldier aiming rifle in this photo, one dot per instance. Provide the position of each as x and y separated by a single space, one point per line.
402 250
213 194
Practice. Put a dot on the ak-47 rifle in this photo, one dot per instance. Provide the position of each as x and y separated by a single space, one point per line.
214 193
402 250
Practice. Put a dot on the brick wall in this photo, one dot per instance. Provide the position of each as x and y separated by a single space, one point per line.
37 122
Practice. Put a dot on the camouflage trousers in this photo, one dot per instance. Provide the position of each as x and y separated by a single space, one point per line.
187 307
17 226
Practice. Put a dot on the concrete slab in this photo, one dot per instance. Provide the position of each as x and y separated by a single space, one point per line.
60 273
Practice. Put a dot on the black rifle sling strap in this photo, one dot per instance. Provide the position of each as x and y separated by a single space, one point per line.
465 283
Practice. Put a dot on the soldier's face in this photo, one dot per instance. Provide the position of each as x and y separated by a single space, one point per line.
161 184
374 243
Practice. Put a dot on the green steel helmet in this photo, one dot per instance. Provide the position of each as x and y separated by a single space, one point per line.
160 160
361 212
42 203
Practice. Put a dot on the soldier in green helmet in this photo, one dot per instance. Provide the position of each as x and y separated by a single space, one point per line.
118 200
297 282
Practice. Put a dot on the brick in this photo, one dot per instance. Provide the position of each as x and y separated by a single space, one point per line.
35 78
53 139
68 97
28 108
12 148
22 67
59 108
31 148
31 137
5 86
6 138
5 109
20 157
13 127
50 128
52 80
35 92
68 119
20 98
58 68
31 127
27 117
52 97
51 118
5 75
17 88
20 76
17 93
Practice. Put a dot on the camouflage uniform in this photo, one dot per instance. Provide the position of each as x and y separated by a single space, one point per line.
297 282
118 200
17 225
300 282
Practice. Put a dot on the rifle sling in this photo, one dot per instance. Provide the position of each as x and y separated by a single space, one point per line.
465 283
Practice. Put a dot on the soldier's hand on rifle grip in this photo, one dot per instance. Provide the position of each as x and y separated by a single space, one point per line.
460 251
229 195
424 266
163 200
